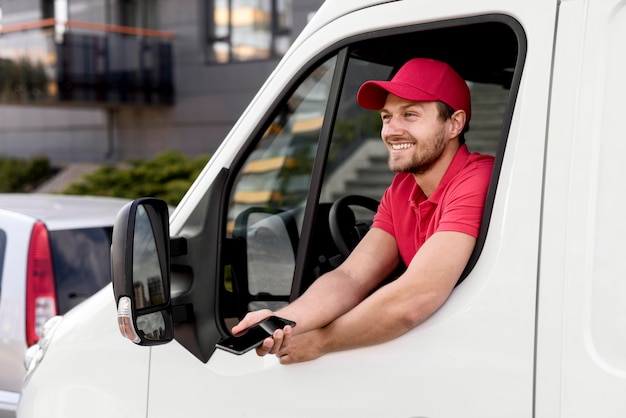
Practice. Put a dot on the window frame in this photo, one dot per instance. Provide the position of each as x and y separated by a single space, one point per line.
342 50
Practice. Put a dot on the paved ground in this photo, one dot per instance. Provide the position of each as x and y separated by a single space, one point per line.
69 174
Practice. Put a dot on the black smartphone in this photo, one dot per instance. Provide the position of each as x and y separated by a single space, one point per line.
253 336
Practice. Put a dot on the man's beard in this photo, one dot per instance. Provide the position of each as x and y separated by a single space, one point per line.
421 162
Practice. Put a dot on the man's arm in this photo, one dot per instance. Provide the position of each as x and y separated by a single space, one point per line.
393 309
339 290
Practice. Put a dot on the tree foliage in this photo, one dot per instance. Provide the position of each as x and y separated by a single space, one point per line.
167 176
20 175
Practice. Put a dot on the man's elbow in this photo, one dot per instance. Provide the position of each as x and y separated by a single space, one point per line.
421 309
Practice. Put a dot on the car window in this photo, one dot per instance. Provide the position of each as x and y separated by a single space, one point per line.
321 147
270 193
82 265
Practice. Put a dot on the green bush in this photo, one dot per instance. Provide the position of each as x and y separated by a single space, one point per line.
167 176
18 175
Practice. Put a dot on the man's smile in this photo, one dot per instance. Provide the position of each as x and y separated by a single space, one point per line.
401 146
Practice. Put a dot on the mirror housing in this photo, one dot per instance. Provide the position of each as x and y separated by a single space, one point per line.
140 268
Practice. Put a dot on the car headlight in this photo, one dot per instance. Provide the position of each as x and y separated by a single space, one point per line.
35 352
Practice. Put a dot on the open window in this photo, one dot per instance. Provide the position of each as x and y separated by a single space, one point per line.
320 146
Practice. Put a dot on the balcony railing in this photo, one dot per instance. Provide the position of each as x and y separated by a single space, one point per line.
46 62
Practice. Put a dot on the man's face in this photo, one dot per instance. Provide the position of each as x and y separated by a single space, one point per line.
414 134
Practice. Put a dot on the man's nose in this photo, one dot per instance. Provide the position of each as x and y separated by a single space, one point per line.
390 129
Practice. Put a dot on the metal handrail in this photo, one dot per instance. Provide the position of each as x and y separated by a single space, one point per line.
100 27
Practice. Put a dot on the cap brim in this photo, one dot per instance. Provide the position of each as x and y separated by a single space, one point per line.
373 94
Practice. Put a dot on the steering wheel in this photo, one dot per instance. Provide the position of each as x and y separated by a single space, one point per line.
345 230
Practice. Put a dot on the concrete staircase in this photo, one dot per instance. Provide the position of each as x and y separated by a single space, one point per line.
69 174
371 180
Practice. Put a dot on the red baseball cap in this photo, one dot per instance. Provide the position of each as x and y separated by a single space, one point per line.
420 79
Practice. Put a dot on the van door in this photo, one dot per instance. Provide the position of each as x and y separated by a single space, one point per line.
581 343
302 145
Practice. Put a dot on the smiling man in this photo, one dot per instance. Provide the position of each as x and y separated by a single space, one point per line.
428 218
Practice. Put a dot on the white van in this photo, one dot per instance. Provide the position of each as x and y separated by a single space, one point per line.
535 328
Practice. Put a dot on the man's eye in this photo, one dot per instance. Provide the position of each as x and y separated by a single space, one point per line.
385 117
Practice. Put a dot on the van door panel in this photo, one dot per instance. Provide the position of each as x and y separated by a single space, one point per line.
475 356
582 310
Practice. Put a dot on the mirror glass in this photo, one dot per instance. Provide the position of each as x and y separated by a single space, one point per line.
152 326
148 284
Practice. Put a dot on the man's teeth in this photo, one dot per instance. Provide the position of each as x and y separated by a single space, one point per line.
400 146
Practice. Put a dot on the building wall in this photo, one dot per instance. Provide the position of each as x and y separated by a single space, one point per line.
209 100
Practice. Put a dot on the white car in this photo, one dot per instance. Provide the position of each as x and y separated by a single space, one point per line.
54 253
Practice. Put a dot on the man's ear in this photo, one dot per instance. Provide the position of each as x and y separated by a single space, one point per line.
458 120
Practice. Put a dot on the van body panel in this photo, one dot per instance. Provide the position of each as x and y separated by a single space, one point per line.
93 380
582 314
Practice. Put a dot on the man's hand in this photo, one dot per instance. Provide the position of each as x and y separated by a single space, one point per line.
271 345
301 347
251 318
277 342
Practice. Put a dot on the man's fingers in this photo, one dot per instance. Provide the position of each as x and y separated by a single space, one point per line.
285 359
288 330
271 345
266 347
250 319
278 336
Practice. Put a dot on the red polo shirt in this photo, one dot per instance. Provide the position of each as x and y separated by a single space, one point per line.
456 205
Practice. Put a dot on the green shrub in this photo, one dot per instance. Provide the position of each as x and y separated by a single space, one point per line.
18 175
167 176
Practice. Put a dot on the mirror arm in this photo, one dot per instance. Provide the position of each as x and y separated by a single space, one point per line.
178 246
182 313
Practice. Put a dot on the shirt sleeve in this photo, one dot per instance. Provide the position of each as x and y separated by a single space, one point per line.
465 199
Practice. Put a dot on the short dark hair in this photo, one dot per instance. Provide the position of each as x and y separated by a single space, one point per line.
445 113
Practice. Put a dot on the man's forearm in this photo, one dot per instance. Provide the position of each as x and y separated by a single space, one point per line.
329 297
340 290
401 305
383 316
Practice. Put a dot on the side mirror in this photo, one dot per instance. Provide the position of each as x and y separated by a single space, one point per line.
140 266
